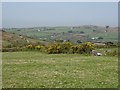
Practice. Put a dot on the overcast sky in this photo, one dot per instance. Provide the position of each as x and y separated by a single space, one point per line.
33 14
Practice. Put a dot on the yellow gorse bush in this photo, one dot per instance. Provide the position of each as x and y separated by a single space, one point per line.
54 48
29 46
65 47
77 49
38 47
87 47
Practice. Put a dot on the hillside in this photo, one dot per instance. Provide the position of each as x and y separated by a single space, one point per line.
13 40
71 33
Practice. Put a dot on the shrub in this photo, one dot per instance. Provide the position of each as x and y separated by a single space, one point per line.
87 47
57 48
30 46
100 37
38 47
77 49
80 49
68 47
54 48
78 41
65 47
70 31
82 32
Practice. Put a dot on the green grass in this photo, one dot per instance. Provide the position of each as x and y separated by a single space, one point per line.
101 50
39 70
0 71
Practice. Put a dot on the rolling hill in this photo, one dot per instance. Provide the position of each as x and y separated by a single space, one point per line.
13 40
71 33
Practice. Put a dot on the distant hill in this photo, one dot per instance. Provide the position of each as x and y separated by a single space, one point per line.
71 33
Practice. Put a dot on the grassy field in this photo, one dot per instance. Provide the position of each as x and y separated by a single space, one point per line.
1 77
39 70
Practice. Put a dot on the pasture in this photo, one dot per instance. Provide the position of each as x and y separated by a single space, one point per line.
33 69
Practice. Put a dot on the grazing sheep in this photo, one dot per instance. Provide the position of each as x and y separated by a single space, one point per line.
99 54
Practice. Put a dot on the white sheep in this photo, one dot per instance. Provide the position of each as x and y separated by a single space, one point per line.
99 54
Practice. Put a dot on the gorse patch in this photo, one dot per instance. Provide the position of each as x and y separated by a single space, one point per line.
65 47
